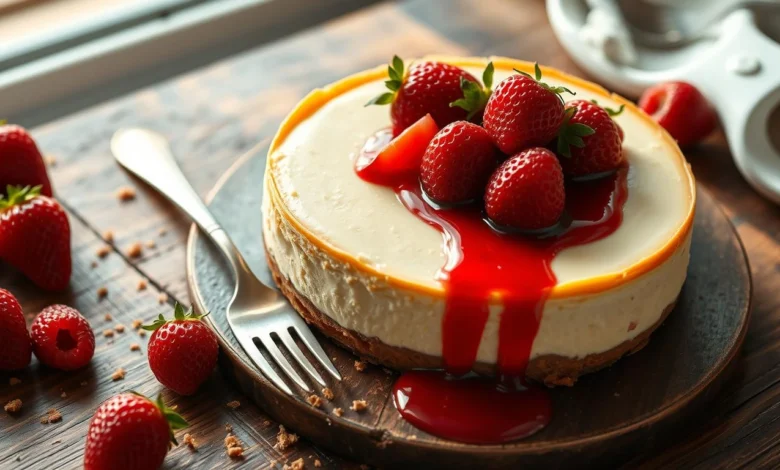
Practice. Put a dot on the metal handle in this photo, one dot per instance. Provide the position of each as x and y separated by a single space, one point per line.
147 155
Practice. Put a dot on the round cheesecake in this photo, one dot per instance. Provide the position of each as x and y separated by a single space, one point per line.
362 268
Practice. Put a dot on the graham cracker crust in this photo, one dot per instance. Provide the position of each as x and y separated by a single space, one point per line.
552 370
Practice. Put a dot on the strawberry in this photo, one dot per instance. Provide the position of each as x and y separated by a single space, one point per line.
182 352
130 432
17 349
681 109
427 88
399 161
589 140
526 192
21 163
35 237
457 163
62 338
524 112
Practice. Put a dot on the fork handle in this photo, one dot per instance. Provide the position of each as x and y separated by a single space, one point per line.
147 155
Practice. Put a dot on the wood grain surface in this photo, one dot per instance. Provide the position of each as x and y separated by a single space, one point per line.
214 115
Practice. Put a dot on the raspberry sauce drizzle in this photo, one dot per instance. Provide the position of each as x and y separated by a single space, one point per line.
485 267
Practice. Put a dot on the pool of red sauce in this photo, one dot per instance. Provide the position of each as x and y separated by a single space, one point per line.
483 264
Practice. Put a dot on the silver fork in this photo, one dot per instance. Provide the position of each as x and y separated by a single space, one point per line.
255 311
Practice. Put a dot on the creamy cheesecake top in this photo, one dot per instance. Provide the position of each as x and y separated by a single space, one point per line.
312 174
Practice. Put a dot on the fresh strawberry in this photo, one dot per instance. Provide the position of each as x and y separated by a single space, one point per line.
457 163
427 88
399 160
681 109
130 432
589 140
21 163
35 237
524 112
17 349
182 352
526 191
62 338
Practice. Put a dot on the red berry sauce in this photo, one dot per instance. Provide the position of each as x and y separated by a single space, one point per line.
482 264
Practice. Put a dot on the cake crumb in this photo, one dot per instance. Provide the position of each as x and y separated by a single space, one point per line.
295 465
360 366
51 161
118 374
137 324
151 244
317 463
338 412
162 298
64 395
125 193
234 448
102 293
284 439
142 285
13 381
358 405
120 328
52 416
93 264
135 250
107 317
108 236
314 401
141 333
109 333
13 406
190 442
632 326
163 231
328 394
233 404
228 427
103 251
135 347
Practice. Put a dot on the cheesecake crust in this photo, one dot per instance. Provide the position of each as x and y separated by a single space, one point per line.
550 369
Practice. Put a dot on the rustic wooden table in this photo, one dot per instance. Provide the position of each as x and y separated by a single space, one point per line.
214 115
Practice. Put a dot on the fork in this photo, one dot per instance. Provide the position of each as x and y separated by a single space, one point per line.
255 310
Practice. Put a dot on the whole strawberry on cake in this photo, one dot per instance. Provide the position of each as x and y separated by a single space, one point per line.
527 223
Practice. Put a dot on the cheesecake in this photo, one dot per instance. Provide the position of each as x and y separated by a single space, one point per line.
367 264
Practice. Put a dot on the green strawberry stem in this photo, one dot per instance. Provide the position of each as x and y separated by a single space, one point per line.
610 111
18 195
174 419
395 72
475 96
179 314
557 90
571 133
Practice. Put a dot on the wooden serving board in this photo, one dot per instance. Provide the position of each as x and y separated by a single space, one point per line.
634 407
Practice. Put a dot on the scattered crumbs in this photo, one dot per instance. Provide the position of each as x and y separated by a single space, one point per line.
327 393
102 292
103 251
118 374
632 326
84 383
228 427
190 441
51 161
14 381
137 324
162 298
64 395
120 328
163 231
135 347
233 404
317 463
338 412
13 406
108 317
109 333
360 366
93 264
412 437
295 465
52 416
358 405
314 401
108 236
266 423
125 193
233 446
141 333
135 250
150 244
284 439
142 285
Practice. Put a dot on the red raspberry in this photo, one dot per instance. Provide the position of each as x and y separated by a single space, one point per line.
457 163
526 191
589 140
182 352
17 349
62 338
681 109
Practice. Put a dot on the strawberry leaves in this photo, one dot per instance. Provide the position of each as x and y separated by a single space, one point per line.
571 134
179 314
17 195
557 90
475 96
612 112
174 419
395 72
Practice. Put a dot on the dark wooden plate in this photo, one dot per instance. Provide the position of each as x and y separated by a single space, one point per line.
608 417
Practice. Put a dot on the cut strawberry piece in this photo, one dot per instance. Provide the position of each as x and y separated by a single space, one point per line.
399 161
